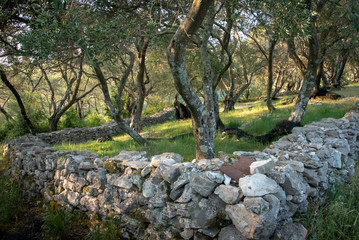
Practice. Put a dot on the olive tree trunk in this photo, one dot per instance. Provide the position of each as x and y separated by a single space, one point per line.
203 116
28 123
310 76
115 110
141 89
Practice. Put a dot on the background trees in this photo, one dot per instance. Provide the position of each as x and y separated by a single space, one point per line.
101 58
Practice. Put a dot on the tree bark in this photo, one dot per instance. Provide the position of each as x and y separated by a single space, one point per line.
28 123
269 103
116 111
301 103
6 114
141 89
203 117
337 83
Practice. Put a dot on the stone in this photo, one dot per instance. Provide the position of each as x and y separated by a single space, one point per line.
291 231
149 189
146 170
138 165
186 195
261 166
258 185
230 233
296 165
123 181
166 158
86 166
309 160
247 223
202 184
169 173
187 233
229 194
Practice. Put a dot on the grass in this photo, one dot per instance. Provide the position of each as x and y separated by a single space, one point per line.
338 218
255 119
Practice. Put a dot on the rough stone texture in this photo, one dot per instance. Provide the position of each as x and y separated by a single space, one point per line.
104 131
167 199
257 185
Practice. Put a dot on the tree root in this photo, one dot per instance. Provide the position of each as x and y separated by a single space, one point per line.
282 128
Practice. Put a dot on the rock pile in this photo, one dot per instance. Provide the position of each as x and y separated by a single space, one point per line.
106 130
163 198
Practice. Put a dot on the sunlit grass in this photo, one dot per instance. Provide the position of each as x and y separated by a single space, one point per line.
254 117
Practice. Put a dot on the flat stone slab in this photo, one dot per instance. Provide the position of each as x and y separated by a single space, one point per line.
238 169
136 164
258 185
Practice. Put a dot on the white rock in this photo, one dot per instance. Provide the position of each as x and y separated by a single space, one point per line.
229 194
257 185
261 166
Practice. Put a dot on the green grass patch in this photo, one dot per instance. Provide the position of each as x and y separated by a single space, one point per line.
253 117
338 218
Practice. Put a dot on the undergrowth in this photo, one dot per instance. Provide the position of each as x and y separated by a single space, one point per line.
338 218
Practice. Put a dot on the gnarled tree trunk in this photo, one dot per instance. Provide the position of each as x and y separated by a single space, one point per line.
28 123
116 111
301 103
141 90
269 103
203 116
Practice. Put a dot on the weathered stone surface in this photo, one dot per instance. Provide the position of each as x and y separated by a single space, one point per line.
230 233
291 231
169 173
204 182
138 165
123 181
262 166
166 158
149 189
257 185
247 223
229 194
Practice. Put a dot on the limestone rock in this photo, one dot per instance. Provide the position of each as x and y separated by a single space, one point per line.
169 173
230 233
291 231
247 223
261 166
204 182
229 194
257 185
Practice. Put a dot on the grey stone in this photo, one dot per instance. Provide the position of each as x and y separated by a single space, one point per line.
309 160
230 233
149 188
257 185
123 181
187 233
202 184
291 231
146 170
261 166
186 195
138 165
247 223
169 173
229 194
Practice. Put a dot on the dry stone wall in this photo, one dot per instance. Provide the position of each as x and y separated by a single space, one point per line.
109 129
159 197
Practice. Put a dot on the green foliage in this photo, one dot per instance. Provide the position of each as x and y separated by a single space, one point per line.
94 119
57 222
10 199
106 230
337 219
71 119
155 105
